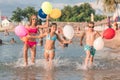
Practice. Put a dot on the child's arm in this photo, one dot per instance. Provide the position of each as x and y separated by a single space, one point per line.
81 39
63 40
46 24
40 36
98 33
24 39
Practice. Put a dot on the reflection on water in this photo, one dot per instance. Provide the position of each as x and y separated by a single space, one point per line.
49 75
67 63
25 74
88 75
32 73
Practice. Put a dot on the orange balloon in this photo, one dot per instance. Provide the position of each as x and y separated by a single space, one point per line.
56 13
24 39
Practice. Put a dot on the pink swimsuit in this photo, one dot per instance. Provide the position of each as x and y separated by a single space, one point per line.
32 31
31 43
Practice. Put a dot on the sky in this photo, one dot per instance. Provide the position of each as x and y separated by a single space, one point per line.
8 6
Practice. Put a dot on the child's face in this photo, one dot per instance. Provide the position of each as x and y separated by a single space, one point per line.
91 26
34 19
53 28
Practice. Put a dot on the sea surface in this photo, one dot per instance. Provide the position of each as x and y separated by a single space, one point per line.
68 63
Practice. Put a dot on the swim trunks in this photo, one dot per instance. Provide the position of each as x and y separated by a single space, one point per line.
91 49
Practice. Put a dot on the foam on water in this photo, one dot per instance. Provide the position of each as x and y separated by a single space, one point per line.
68 63
39 63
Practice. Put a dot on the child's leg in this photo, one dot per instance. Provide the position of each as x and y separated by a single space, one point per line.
46 56
51 57
25 55
92 56
87 58
33 54
91 60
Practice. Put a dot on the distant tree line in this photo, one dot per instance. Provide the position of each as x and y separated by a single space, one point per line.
21 14
76 13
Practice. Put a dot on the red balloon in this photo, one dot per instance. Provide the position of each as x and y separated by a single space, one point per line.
109 33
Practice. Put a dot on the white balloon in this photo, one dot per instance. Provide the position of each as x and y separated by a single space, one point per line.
68 31
98 43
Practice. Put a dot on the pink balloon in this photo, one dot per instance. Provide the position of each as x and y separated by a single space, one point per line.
21 31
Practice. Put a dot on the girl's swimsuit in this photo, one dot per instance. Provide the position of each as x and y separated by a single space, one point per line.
49 51
32 31
31 43
50 38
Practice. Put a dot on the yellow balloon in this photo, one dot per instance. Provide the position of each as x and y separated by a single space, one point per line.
46 7
56 13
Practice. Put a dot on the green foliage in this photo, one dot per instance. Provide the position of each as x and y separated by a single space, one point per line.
109 5
20 14
80 13
17 15
29 11
76 13
99 17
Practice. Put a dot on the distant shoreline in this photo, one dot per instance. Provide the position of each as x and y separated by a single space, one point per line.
112 43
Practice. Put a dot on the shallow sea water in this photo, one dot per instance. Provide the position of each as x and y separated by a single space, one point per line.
67 63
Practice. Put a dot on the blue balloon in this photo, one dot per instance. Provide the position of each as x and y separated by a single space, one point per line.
41 14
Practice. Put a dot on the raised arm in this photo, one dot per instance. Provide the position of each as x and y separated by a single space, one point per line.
98 33
46 23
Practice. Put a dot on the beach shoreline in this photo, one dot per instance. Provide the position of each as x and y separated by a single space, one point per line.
111 43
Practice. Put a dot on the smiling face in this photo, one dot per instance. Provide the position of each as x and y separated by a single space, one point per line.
53 27
91 26
33 20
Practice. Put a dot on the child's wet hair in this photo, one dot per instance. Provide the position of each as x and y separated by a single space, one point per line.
91 22
53 24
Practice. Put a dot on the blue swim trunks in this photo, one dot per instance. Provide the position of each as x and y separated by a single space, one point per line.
91 49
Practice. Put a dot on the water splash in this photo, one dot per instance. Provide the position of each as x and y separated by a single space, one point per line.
40 63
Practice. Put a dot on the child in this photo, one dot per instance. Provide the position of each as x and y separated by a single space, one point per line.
12 41
6 33
49 48
90 37
31 43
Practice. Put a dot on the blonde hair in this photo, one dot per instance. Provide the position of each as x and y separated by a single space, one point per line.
31 20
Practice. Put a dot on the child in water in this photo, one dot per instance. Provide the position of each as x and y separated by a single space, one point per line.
12 41
90 50
30 43
49 48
